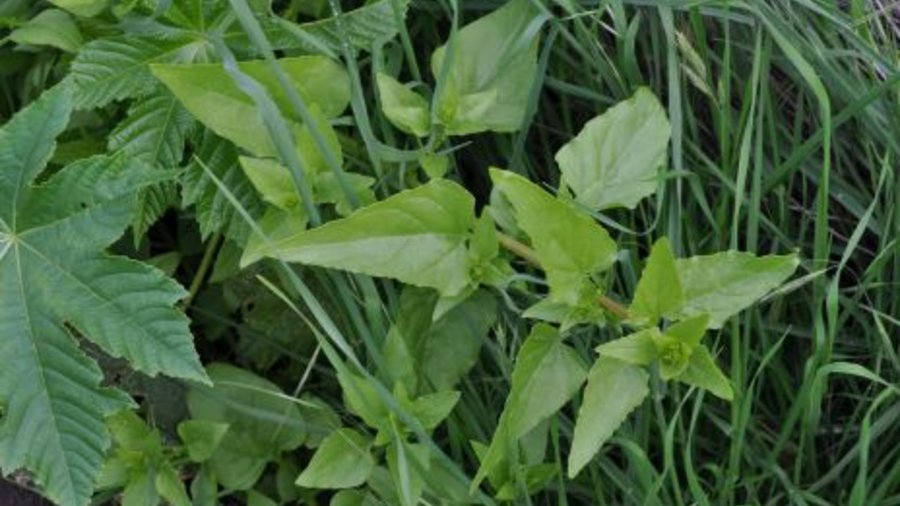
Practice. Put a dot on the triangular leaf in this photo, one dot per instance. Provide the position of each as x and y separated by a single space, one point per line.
232 114
433 221
702 372
723 284
546 375
493 68
638 348
341 461
406 109
613 161
613 390
569 243
659 289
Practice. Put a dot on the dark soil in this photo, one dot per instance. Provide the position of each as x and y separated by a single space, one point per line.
14 495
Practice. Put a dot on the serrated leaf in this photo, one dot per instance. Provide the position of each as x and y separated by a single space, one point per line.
638 348
51 27
115 68
613 161
341 461
232 114
493 68
403 107
569 243
362 28
723 284
433 220
154 130
702 372
214 213
613 390
546 375
55 276
659 290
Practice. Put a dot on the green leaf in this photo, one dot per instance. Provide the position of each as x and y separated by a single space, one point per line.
232 114
363 28
432 220
432 409
341 461
213 211
170 486
154 132
690 330
115 68
702 372
262 423
54 276
659 290
613 390
485 245
492 71
569 244
638 348
51 27
613 161
83 8
455 340
406 109
201 438
273 181
723 284
546 375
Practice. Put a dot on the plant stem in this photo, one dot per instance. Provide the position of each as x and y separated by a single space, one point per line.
205 264
524 251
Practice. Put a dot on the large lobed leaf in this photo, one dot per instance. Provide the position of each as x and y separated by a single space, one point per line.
416 236
55 277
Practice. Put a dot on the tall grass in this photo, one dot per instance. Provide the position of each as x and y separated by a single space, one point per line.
786 135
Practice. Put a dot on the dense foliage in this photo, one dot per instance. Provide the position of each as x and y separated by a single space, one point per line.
523 251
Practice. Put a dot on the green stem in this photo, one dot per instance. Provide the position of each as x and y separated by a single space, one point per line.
205 264
524 251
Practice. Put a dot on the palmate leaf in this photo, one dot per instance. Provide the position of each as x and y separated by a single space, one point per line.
154 131
116 68
362 28
54 277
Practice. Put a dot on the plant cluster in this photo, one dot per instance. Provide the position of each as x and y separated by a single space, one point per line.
348 284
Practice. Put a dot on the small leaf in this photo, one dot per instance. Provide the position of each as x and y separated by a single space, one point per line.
659 290
170 486
201 437
406 109
432 409
273 181
484 245
432 220
690 330
638 348
493 68
51 27
546 375
341 461
613 390
434 165
702 372
613 161
569 244
723 284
